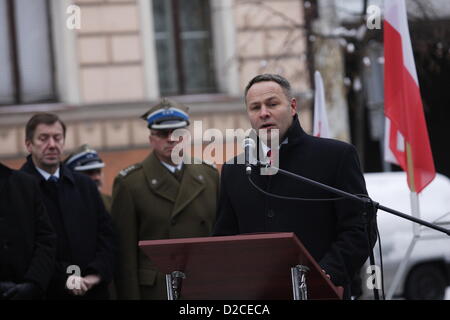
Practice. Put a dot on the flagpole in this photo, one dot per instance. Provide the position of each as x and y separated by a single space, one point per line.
403 106
414 196
320 126
415 211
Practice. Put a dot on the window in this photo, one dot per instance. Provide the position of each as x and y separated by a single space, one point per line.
184 46
25 52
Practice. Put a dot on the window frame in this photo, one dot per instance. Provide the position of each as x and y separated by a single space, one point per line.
12 23
175 37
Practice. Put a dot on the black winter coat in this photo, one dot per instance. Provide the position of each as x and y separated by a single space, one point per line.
332 231
85 229
27 240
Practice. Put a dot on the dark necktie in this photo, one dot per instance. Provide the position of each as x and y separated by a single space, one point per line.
52 187
178 174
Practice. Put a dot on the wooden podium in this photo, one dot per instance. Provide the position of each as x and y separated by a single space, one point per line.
264 266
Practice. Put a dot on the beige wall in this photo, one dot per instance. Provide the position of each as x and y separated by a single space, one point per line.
268 38
271 39
114 73
110 51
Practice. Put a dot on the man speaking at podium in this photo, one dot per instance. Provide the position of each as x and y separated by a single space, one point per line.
332 231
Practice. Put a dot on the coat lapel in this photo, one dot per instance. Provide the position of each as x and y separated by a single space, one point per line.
69 201
191 185
5 172
159 178
70 204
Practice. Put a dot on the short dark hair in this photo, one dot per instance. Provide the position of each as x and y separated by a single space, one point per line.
39 118
282 81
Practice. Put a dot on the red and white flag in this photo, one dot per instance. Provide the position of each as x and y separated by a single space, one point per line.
407 137
320 128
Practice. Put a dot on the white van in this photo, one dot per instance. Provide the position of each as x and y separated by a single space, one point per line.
427 273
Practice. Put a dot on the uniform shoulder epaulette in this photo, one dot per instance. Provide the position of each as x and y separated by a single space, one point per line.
209 163
126 171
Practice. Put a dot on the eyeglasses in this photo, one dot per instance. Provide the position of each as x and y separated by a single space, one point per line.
92 172
163 134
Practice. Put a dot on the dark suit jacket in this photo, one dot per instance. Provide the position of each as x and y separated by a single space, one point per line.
87 228
27 240
332 231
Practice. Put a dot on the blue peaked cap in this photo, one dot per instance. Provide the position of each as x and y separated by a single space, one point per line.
167 114
83 159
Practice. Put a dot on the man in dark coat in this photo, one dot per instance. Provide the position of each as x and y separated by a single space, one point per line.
27 240
85 247
332 231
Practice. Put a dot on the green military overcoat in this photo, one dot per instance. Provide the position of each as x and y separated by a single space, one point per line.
107 201
149 203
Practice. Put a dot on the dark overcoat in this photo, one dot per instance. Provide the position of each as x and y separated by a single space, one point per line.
332 231
87 229
27 239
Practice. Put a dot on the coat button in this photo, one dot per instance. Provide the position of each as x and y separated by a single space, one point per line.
271 213
5 245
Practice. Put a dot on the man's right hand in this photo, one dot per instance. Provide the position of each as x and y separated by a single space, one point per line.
5 286
76 285
23 291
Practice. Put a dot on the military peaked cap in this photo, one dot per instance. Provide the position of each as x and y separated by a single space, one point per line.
167 114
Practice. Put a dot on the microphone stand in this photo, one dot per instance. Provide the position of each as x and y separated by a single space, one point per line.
371 208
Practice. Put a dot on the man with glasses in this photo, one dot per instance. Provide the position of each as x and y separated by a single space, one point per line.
160 199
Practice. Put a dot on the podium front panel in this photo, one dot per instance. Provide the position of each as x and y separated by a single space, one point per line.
249 267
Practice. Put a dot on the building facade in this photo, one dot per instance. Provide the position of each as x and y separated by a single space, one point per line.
100 64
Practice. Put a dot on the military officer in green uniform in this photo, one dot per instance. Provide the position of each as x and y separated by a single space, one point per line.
86 160
160 199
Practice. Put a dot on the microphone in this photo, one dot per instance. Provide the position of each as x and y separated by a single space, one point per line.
249 151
